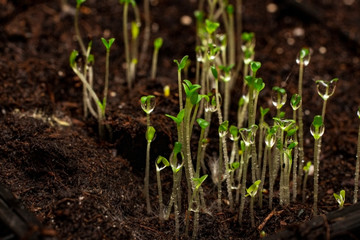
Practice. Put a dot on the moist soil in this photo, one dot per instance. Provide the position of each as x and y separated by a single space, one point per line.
81 187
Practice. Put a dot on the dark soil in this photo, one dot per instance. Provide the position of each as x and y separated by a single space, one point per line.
86 188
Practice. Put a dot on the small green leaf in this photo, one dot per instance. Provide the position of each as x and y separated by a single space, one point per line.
259 84
304 52
230 9
306 168
252 190
158 43
177 148
214 72
247 36
108 44
134 30
72 58
255 66
279 90
234 166
317 122
162 160
211 26
234 131
79 2
199 181
199 15
91 59
264 111
150 133
224 126
182 63
202 123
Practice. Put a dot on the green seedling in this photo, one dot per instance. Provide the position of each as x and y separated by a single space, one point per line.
126 39
107 45
226 78
160 164
303 59
262 130
278 98
178 120
308 168
317 130
252 191
295 103
135 30
148 105
157 45
248 136
340 198
222 142
325 90
201 146
248 47
357 164
181 66
270 140
100 113
196 202
175 199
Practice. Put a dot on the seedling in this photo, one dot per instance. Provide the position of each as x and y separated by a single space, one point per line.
278 98
196 201
107 45
252 191
226 78
248 135
160 164
157 45
340 198
295 103
100 113
126 3
180 66
201 146
303 59
317 130
148 105
357 164
308 170
326 89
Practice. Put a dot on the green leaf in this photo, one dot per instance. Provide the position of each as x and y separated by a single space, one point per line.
318 121
72 58
199 181
292 145
150 133
247 36
230 9
108 44
252 190
264 111
295 101
211 26
91 59
234 131
214 72
306 168
304 52
255 66
162 160
79 2
134 30
177 148
199 15
202 123
182 63
158 43
279 90
234 166
259 84
224 126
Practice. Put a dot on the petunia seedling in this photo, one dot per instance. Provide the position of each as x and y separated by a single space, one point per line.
326 88
234 133
303 57
211 26
148 103
295 101
248 134
108 43
223 129
202 123
255 66
252 190
150 134
182 63
278 97
157 45
317 127
161 163
340 198
179 118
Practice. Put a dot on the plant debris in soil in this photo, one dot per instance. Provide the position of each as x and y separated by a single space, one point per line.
84 188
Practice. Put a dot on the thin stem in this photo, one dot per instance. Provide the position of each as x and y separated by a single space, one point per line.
126 43
154 63
77 32
301 125
295 161
161 205
243 185
106 77
317 149
146 179
357 170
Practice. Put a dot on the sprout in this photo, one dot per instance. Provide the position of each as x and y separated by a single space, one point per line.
303 57
340 198
252 191
326 88
223 129
157 45
108 43
317 127
278 97
271 136
150 134
248 134
255 67
202 123
148 103
234 133
295 102
211 26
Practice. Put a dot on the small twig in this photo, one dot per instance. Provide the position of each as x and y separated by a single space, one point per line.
272 213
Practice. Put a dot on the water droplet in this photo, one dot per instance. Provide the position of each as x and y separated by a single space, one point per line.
326 88
149 104
278 99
